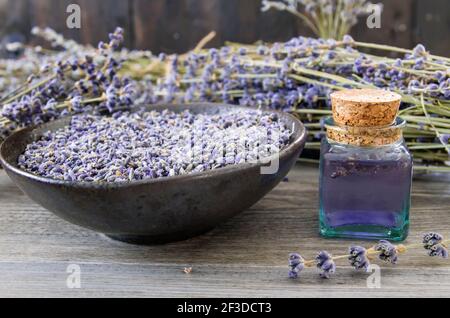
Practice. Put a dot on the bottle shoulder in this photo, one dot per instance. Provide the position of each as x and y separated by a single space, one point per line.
337 151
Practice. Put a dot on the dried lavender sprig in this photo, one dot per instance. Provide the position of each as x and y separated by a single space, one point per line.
47 99
359 257
397 49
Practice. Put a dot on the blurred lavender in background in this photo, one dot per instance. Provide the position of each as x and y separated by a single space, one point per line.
328 19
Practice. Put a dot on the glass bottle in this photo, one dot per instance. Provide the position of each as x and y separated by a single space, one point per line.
365 181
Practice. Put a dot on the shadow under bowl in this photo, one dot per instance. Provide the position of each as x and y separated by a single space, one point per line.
153 211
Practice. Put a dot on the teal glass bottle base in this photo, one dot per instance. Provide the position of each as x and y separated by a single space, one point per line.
366 232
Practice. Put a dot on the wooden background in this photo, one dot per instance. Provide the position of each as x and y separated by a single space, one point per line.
177 25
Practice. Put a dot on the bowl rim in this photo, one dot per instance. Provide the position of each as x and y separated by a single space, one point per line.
292 146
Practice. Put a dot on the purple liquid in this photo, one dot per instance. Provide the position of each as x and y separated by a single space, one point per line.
365 189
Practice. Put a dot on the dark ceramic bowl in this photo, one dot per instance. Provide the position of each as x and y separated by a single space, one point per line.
155 210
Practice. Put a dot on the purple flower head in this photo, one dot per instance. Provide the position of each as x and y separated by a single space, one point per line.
439 250
311 95
398 63
116 38
326 264
50 106
162 57
388 251
293 98
433 243
262 50
242 51
445 138
419 63
419 50
433 89
440 76
296 265
347 39
358 257
102 46
310 8
76 104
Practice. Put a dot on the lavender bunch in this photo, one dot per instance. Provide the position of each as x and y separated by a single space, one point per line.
360 257
328 19
69 84
23 62
296 76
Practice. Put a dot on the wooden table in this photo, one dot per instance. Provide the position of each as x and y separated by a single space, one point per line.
245 257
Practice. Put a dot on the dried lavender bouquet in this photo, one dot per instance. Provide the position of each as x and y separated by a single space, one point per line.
296 76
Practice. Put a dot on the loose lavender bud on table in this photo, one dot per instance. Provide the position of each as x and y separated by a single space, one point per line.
388 251
358 257
326 264
153 144
296 265
433 243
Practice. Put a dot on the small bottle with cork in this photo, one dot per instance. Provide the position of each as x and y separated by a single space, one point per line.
365 168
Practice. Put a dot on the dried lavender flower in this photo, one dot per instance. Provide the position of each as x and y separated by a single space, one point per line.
433 243
326 264
388 251
152 144
296 265
358 257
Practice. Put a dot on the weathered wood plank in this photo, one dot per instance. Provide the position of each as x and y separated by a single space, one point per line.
168 280
177 25
245 256
397 25
433 25
98 18
14 20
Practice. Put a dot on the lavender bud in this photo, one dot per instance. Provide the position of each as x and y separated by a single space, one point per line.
388 251
347 39
433 243
296 265
419 50
326 264
358 257
445 138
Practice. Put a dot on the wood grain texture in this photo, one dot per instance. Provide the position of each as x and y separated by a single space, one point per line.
175 26
397 24
246 256
14 20
98 18
433 25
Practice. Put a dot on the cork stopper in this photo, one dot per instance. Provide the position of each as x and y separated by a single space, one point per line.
365 136
365 107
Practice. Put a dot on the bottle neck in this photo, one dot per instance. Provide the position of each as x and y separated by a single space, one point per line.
395 143
365 136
